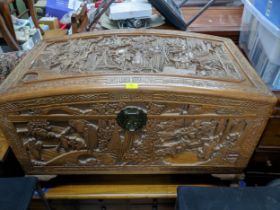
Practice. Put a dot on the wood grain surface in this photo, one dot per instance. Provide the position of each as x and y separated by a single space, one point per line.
4 146
206 107
122 186
219 21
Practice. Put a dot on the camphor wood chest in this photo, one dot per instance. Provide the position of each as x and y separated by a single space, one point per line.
134 102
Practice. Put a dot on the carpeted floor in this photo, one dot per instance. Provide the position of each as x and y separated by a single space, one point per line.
8 61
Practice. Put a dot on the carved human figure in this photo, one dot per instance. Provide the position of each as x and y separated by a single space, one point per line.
34 147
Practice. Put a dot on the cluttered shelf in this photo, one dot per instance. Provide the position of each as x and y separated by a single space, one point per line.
218 21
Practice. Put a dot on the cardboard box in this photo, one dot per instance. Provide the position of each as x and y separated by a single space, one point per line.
52 22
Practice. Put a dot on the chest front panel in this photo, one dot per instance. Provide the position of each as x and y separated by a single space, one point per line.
178 136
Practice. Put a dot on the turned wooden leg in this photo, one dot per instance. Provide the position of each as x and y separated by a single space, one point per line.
12 43
6 14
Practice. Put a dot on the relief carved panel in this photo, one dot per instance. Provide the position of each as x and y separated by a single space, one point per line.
113 108
151 101
103 143
136 54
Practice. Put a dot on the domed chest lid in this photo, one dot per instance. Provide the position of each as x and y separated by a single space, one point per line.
146 58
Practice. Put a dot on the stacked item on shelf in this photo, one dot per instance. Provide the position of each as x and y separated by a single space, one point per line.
270 8
260 39
58 8
26 33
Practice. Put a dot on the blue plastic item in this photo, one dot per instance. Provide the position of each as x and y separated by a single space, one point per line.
57 8
228 198
16 193
260 40
270 9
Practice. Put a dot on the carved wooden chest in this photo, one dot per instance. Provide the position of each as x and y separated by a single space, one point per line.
134 102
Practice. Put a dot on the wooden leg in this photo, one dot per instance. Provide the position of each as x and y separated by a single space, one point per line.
30 6
12 43
155 204
5 12
233 178
43 198
74 24
15 7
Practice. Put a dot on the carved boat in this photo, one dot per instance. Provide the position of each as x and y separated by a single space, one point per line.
142 101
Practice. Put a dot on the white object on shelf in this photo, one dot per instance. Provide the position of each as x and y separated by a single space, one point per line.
127 10
32 41
74 4
260 40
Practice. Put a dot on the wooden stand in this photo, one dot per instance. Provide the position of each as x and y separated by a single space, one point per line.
123 186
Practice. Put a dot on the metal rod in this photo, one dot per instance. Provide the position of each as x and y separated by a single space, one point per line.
200 12
100 11
182 3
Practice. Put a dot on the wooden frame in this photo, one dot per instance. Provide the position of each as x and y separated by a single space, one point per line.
79 20
6 26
